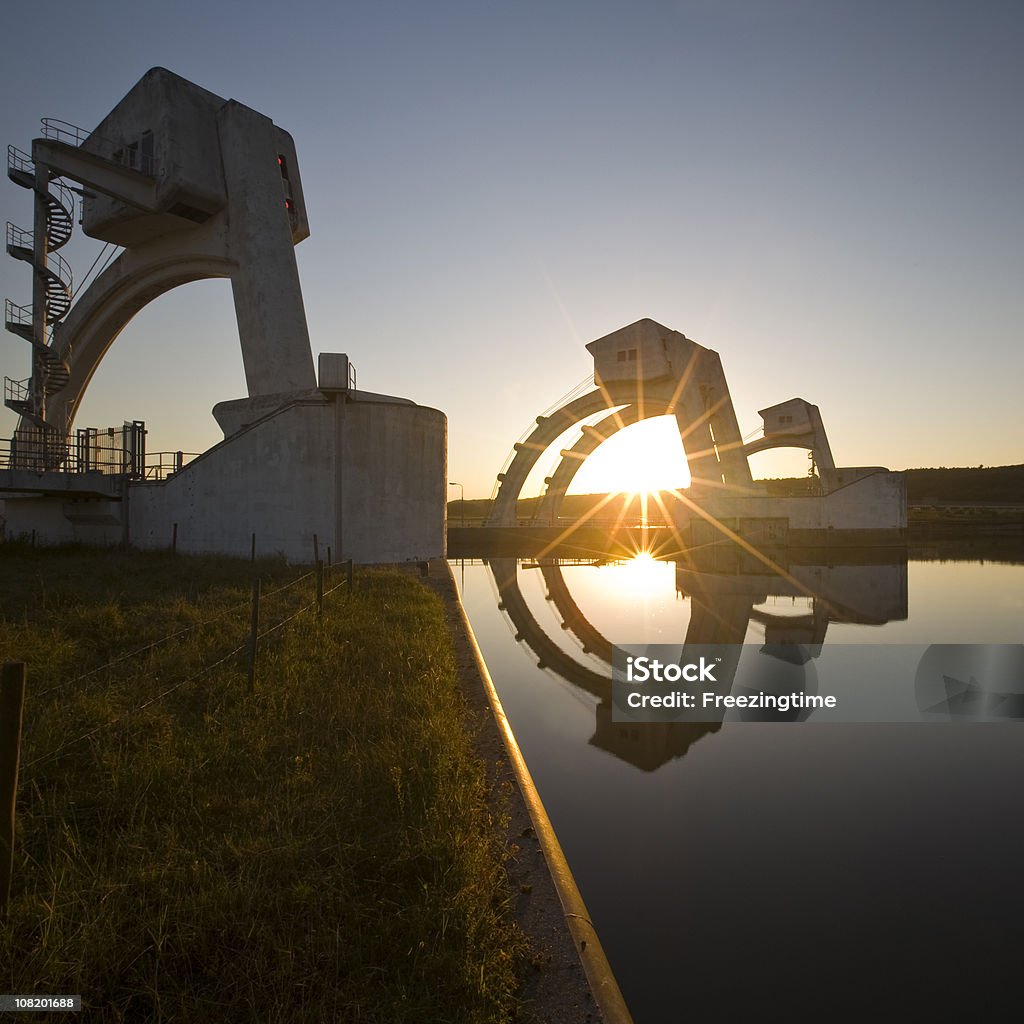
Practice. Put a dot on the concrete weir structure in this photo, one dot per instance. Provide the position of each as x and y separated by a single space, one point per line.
646 369
194 186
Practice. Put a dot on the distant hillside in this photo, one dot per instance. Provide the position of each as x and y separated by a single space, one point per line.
996 485
1002 485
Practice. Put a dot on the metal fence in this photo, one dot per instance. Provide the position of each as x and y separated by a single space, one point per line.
110 451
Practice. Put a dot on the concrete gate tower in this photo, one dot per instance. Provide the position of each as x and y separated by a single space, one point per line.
647 370
194 186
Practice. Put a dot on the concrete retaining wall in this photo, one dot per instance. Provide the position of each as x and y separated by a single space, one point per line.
867 507
274 479
367 476
58 520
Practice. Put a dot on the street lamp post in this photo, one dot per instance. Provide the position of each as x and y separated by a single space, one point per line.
462 501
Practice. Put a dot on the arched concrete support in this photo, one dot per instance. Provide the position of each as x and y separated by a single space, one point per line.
660 372
718 615
652 400
646 748
195 186
594 642
107 306
549 654
572 458
764 444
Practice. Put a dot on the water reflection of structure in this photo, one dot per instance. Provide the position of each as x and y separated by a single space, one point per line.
725 597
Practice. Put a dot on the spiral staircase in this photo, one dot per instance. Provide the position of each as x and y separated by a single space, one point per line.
50 372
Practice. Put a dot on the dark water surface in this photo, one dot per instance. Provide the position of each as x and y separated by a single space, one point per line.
772 871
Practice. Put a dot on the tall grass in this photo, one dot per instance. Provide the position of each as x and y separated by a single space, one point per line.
318 850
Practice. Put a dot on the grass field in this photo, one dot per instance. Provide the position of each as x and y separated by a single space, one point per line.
319 849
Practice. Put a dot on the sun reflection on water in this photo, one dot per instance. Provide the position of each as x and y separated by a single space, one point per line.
643 574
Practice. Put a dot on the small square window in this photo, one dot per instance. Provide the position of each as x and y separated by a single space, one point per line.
621 357
632 355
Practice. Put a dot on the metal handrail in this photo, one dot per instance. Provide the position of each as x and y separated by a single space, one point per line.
55 263
63 131
15 314
91 451
19 160
60 267
19 237
64 196
16 390
116 152
39 454
161 465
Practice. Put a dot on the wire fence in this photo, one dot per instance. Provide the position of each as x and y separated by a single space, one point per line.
54 754
250 643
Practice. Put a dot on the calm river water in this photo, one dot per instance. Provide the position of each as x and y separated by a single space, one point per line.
745 871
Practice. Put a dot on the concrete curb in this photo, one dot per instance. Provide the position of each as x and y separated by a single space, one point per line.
605 989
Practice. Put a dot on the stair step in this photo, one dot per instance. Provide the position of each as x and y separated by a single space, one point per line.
59 223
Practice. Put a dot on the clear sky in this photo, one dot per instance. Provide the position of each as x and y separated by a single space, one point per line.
827 193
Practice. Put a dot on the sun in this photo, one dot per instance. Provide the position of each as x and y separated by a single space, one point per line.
646 456
640 575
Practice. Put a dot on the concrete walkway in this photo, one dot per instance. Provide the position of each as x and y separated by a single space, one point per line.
570 981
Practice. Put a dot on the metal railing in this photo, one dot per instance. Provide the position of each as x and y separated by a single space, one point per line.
19 316
115 451
17 390
19 160
38 451
129 154
56 130
20 238
15 314
163 465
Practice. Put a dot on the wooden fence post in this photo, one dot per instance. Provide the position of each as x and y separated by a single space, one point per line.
319 587
254 632
348 575
328 556
174 539
316 549
12 704
252 555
